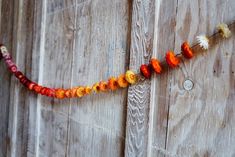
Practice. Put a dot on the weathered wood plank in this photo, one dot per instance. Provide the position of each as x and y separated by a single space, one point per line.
201 120
64 43
19 115
160 84
6 11
57 62
137 125
97 122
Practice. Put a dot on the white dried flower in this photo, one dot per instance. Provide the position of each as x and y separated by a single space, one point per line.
203 41
224 30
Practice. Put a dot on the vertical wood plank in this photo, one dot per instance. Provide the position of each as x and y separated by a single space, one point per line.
38 33
164 35
19 115
201 120
57 71
139 95
6 11
97 122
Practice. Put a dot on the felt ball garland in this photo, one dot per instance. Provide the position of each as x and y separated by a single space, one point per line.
113 83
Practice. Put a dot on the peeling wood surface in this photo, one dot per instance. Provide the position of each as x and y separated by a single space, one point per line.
65 43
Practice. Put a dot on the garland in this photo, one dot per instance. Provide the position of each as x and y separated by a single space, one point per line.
123 81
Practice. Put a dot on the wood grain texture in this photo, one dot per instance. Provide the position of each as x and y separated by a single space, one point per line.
65 43
137 124
97 122
56 72
6 9
20 109
160 84
201 120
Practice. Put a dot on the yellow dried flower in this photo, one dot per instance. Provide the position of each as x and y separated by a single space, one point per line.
96 88
131 77
224 30
88 90
80 92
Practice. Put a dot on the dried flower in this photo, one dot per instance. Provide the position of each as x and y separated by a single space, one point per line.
4 51
224 30
172 60
131 77
145 71
37 88
88 90
96 88
67 93
155 65
31 85
186 50
103 86
113 83
80 92
74 92
122 82
203 41
59 93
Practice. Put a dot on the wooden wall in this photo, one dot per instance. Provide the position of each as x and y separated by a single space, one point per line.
65 43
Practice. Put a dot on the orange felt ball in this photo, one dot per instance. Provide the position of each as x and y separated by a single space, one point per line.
186 50
172 60
155 65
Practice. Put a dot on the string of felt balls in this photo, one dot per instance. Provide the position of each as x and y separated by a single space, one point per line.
113 83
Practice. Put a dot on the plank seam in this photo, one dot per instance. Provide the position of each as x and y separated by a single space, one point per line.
40 77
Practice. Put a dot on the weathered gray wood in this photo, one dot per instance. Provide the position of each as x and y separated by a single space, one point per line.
201 120
64 43
97 122
6 11
160 84
20 110
57 51
139 95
